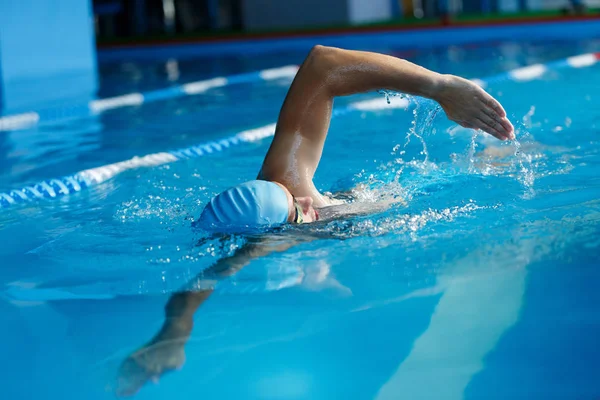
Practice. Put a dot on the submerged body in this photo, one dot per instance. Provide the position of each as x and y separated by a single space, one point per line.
285 192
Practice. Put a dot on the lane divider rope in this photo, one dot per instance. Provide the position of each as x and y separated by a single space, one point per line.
59 187
95 107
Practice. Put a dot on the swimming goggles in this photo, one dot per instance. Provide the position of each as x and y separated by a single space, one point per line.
298 217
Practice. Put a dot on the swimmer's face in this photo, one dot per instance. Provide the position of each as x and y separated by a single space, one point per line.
300 208
304 210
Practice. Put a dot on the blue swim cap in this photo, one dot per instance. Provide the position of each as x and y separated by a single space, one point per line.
247 207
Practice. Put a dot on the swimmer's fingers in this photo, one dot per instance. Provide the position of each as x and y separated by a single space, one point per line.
480 125
494 110
493 127
472 107
501 123
493 104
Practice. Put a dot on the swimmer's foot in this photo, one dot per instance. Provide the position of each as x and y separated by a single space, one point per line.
148 364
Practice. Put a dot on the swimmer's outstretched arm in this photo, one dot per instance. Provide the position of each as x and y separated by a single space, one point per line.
330 72
165 352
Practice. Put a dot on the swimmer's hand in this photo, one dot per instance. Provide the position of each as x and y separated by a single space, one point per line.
149 363
472 107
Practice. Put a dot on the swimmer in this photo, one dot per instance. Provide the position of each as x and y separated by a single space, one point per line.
284 192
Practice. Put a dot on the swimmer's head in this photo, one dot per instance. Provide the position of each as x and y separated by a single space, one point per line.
254 206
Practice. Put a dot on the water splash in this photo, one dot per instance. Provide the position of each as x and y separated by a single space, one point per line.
429 111
398 224
521 159
388 94
471 151
527 118
418 129
526 168
422 125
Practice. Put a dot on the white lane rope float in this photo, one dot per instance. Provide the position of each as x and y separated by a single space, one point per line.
59 187
95 107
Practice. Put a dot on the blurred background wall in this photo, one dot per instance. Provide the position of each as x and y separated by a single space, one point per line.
41 39
268 14
122 18
56 38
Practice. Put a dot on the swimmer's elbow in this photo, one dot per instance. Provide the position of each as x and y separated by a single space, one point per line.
319 51
323 58
321 62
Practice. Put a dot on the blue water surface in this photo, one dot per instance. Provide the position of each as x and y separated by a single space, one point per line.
480 284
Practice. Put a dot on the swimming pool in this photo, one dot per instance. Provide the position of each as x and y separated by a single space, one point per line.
481 285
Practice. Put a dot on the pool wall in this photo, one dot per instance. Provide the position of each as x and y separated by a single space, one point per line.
399 38
47 52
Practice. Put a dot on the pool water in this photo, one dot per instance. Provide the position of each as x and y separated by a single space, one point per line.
481 284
